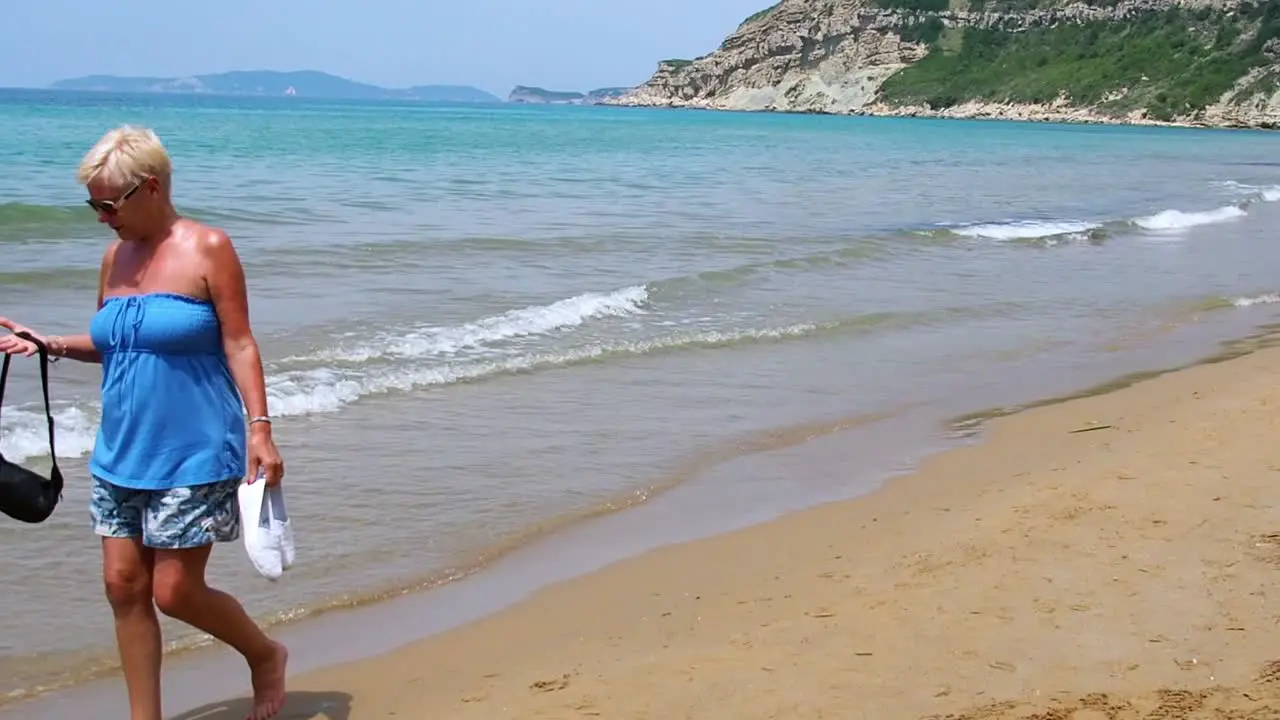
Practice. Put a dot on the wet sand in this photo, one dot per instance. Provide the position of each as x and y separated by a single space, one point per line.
1114 556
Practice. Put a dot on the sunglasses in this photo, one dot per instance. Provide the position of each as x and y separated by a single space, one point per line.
111 207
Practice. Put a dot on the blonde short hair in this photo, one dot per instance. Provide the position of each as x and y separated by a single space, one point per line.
125 155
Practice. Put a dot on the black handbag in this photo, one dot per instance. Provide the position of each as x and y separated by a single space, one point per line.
25 495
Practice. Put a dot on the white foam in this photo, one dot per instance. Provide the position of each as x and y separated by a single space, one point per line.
1265 193
522 322
325 390
1174 220
1165 221
24 431
1265 299
1025 229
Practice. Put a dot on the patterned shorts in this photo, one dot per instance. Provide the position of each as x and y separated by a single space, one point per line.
182 517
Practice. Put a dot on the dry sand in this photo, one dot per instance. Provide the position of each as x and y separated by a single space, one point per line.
1129 571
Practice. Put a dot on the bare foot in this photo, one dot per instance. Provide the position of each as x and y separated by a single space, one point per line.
268 684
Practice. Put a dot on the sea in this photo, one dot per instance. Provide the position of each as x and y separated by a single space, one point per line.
484 326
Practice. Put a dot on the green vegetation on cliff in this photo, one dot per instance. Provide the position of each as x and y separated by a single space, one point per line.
1171 62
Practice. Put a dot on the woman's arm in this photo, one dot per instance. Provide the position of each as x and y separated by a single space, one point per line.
224 276
73 347
76 347
225 279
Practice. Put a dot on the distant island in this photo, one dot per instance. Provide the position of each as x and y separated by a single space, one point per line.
541 96
300 83
317 84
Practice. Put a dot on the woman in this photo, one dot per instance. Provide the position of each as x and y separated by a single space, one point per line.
172 334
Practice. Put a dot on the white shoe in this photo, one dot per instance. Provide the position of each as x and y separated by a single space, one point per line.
268 534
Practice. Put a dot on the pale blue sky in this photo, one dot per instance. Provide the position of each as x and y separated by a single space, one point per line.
492 44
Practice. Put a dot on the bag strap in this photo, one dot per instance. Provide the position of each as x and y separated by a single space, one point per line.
56 474
4 377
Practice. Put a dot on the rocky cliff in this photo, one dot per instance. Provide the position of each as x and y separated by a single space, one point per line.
1213 62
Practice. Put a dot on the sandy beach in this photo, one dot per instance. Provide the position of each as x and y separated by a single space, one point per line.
1114 556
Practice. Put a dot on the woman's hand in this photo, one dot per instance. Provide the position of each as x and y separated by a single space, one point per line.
264 458
11 344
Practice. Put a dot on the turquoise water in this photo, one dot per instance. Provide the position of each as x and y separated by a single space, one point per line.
483 322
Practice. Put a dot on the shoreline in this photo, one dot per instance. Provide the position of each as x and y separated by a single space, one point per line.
694 623
199 648
574 547
477 594
977 110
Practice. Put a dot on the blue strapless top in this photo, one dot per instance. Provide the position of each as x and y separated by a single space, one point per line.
171 413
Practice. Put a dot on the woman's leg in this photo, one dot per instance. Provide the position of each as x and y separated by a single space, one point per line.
182 525
181 593
127 567
127 574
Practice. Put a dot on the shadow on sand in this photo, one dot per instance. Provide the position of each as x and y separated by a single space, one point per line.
298 705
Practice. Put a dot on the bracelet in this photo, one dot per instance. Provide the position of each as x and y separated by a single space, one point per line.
58 346
260 419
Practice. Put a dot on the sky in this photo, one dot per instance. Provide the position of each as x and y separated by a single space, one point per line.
491 44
